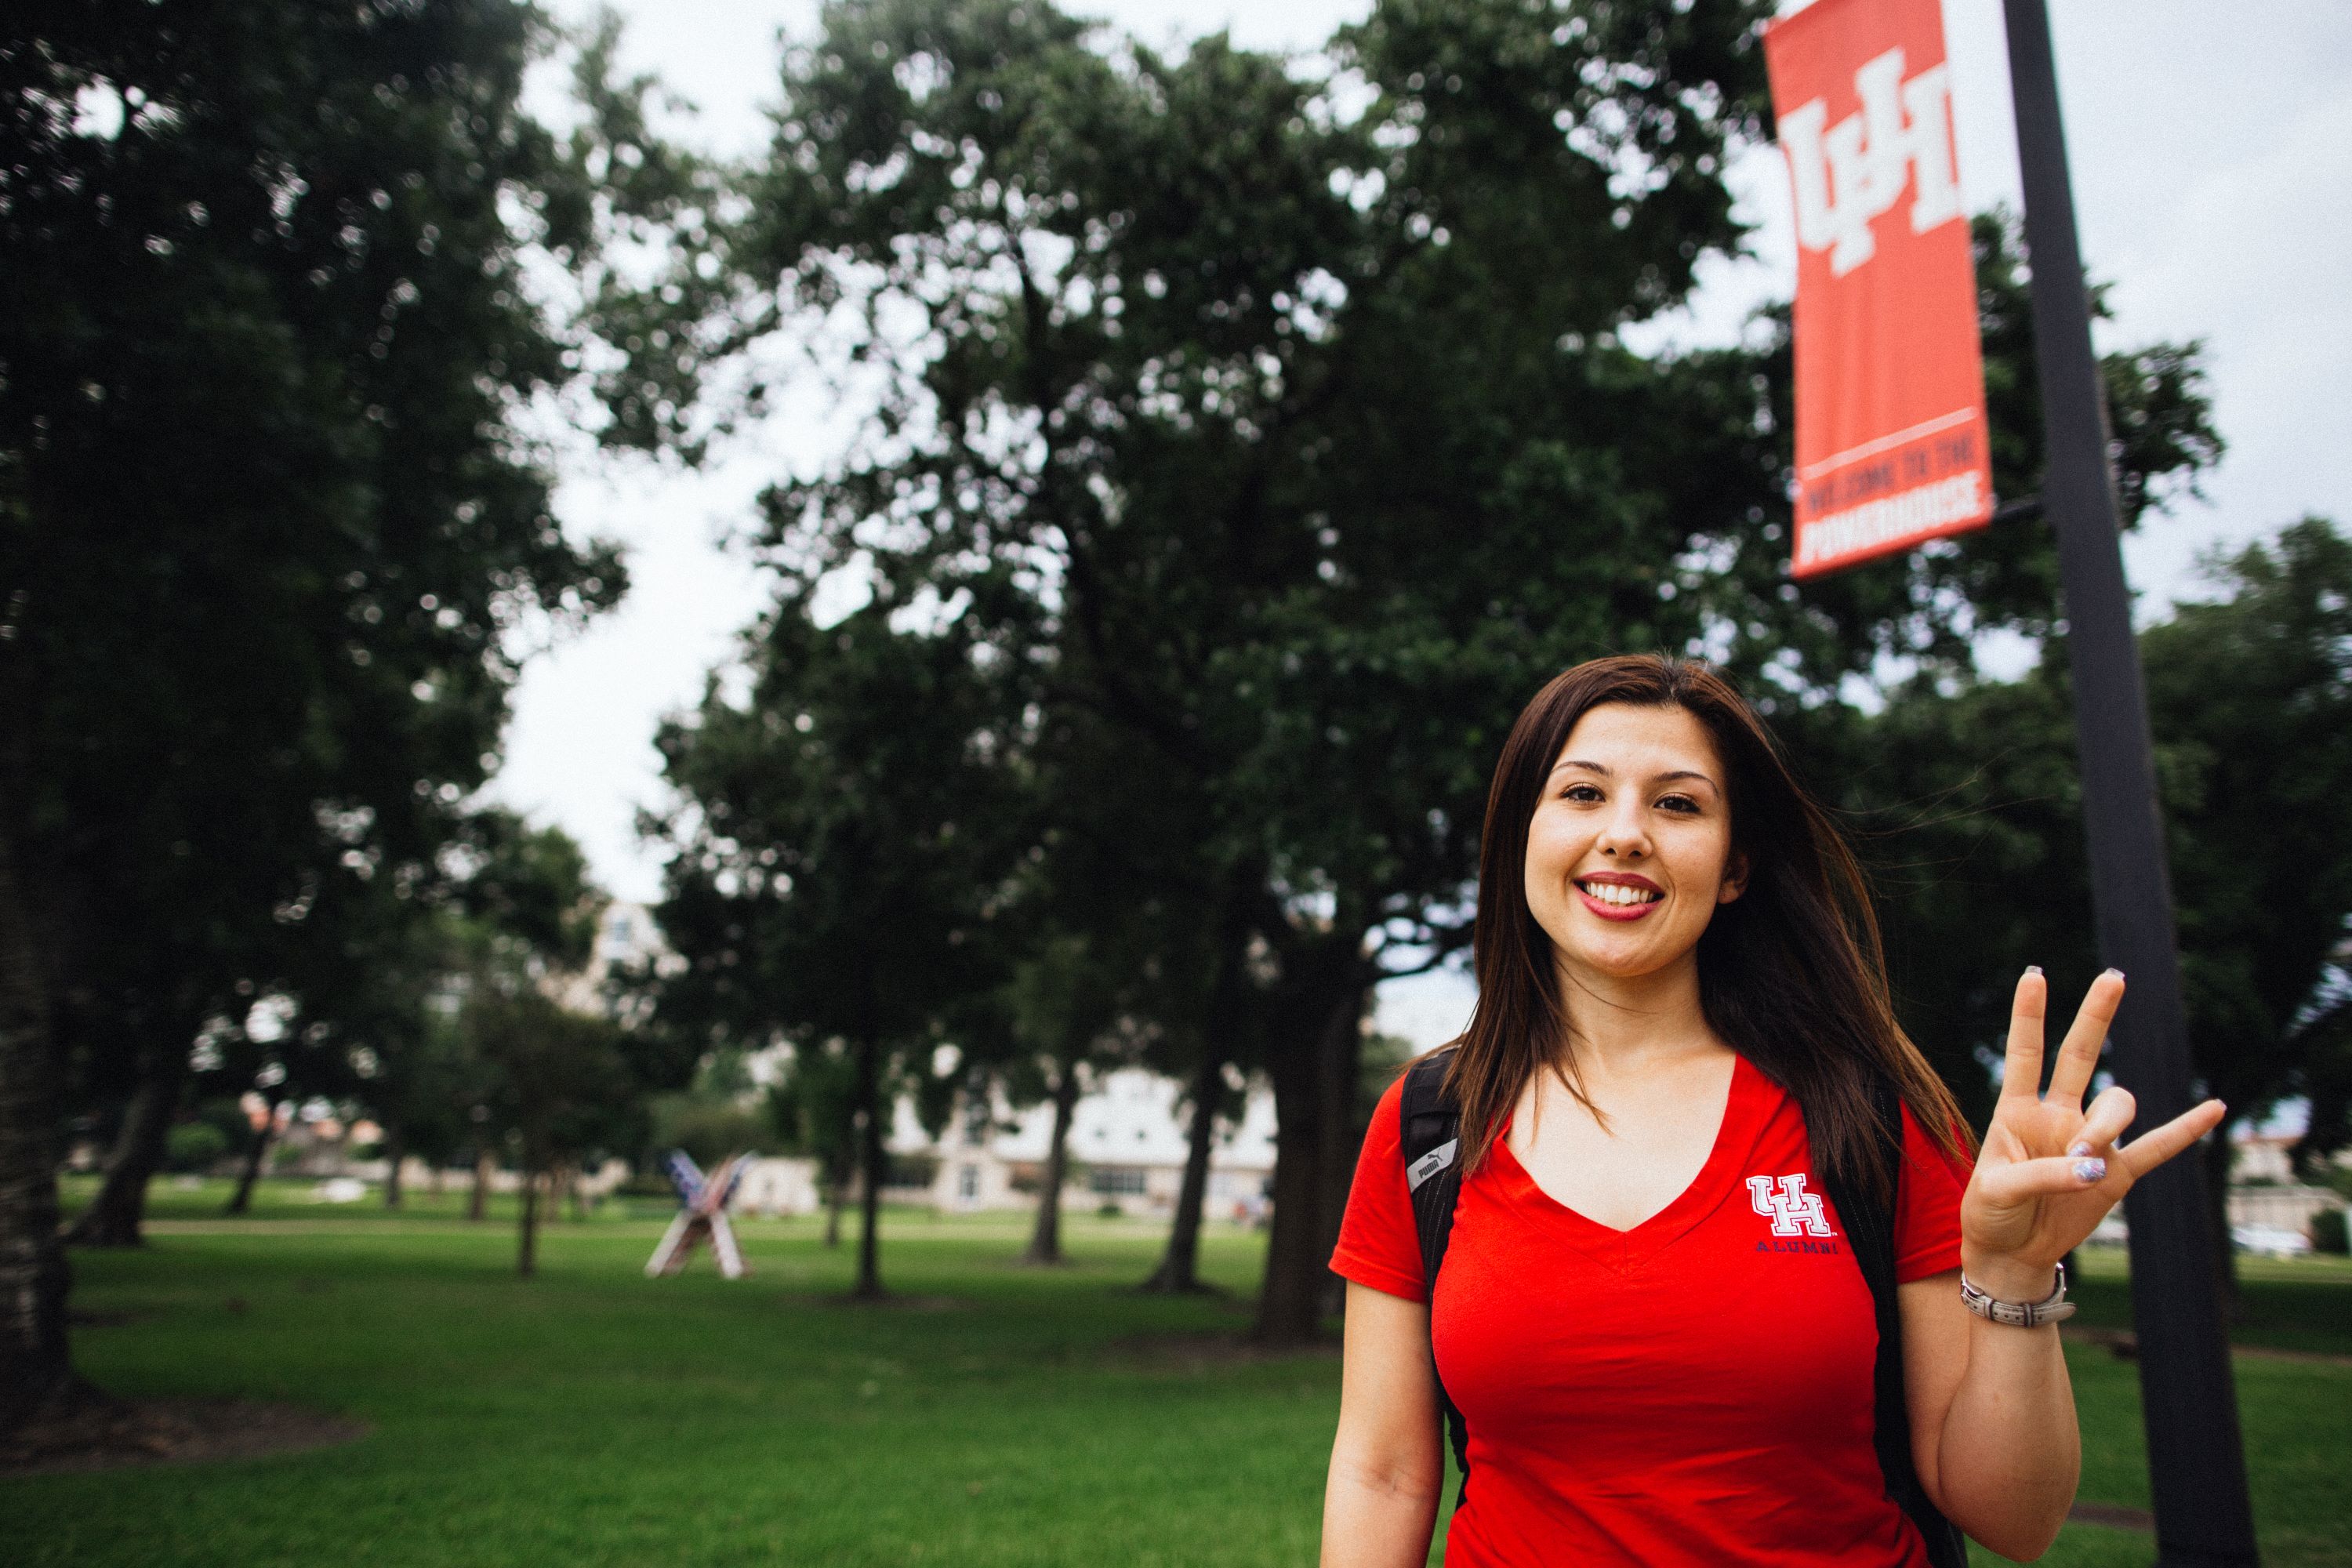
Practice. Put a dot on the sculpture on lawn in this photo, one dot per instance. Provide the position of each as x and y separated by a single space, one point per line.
701 1216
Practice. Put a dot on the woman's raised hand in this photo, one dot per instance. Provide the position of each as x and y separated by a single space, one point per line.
2051 1168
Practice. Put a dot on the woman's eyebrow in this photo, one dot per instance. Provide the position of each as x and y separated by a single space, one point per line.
1672 775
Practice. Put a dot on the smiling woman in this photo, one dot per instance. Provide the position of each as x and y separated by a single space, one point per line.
1683 1236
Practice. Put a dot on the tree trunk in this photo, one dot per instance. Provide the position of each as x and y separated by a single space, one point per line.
2219 1153
836 1198
256 1149
1340 1070
477 1206
115 1215
869 1150
1314 1097
1179 1270
394 1151
1046 1240
1289 1308
527 1250
37 1375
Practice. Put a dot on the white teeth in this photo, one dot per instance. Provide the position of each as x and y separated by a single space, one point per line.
1619 893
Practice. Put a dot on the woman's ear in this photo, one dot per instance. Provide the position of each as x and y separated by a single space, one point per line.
1734 879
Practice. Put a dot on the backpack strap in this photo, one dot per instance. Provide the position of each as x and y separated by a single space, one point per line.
1430 1136
1870 1231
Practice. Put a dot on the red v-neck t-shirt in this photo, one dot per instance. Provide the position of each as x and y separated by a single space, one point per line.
1696 1390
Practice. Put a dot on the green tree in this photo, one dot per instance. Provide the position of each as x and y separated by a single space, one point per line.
839 852
270 542
560 1085
1066 998
813 1109
1175 306
1285 434
1977 802
370 980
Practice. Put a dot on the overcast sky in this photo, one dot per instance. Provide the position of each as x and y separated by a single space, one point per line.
2212 148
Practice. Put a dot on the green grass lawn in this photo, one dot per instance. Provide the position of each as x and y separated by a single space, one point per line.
997 1414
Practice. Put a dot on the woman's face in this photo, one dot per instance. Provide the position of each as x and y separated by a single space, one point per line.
1629 851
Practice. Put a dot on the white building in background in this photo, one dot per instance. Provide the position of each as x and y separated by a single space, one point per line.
2266 1195
1127 1144
776 1185
1126 1150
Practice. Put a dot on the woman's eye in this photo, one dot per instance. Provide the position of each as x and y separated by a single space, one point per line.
1579 793
1681 803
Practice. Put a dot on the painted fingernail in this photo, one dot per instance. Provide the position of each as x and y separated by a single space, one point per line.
2079 1151
2033 969
2116 973
2090 1170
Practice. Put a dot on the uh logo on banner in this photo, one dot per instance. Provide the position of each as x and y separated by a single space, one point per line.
1891 448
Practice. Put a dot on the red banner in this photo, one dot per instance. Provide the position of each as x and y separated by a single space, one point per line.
1891 445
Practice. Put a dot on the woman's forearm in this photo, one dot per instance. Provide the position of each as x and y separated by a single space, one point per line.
1386 1470
1375 1519
2009 1453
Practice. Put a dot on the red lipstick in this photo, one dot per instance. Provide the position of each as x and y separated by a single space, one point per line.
1646 895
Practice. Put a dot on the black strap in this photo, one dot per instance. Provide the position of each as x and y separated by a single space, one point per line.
1869 1221
1430 1133
1429 1129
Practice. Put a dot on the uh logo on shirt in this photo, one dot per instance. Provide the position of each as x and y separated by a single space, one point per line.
1794 1213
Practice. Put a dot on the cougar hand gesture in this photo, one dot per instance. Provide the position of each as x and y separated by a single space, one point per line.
2051 1167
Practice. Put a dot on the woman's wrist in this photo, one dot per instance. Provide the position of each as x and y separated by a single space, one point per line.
2007 1278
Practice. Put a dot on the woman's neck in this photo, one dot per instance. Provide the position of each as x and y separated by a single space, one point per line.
1621 1025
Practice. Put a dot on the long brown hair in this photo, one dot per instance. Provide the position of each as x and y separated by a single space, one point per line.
1791 973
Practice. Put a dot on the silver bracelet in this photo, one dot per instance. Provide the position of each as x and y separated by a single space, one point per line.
2053 1308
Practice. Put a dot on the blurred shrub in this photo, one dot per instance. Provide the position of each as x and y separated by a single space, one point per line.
194 1146
2327 1231
910 1171
648 1183
708 1128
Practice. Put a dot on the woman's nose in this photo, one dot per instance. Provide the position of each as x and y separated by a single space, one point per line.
1625 836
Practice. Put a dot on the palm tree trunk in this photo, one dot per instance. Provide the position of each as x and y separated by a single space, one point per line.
1179 1270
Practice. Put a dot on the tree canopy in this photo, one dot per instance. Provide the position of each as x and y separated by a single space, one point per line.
843 838
1275 426
272 540
1973 800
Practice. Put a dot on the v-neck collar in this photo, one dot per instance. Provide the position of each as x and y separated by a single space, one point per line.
1629 1250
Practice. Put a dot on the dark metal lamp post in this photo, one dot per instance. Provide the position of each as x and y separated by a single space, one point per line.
2196 1468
